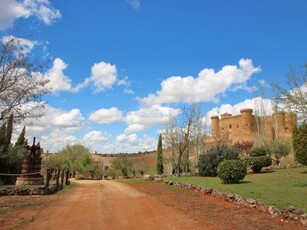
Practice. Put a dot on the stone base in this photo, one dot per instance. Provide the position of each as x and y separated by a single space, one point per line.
29 181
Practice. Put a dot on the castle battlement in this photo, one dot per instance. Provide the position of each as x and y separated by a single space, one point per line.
245 126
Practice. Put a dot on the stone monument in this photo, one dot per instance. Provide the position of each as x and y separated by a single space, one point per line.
31 166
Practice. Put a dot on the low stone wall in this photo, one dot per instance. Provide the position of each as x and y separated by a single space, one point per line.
290 213
27 190
22 190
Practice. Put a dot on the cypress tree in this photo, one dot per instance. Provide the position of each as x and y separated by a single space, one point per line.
21 139
2 134
300 143
9 131
159 156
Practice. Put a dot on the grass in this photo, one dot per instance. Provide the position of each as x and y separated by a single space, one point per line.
280 188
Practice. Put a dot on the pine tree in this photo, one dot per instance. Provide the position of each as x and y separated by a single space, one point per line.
159 156
21 139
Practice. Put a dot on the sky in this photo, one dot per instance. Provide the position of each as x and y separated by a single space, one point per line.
118 69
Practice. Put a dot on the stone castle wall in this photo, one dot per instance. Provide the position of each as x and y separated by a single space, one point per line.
248 127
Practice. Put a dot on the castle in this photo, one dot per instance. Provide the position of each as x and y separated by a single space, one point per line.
249 127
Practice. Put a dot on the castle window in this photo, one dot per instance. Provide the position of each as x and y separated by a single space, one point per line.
230 126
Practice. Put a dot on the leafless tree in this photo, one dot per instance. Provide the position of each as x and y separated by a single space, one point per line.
180 132
295 98
21 83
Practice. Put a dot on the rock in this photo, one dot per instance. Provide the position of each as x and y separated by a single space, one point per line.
273 211
148 177
158 180
170 183
239 199
303 219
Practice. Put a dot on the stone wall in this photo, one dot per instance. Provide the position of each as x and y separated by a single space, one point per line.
288 214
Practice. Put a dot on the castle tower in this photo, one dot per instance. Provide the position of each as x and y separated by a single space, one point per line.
290 121
247 120
280 122
225 115
215 126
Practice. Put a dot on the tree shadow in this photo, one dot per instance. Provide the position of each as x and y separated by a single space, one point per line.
244 182
267 171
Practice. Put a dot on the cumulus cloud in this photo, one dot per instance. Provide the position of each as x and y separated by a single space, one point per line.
131 143
56 127
12 10
135 4
261 106
25 45
97 141
206 87
106 116
143 118
58 81
103 76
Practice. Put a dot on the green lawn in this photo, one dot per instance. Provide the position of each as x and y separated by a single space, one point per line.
281 188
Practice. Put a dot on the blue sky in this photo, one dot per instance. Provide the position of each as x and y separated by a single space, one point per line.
119 68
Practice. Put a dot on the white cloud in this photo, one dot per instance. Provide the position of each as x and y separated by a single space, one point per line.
104 76
58 81
12 10
68 119
126 83
261 106
56 127
133 144
135 4
25 45
206 87
148 116
106 116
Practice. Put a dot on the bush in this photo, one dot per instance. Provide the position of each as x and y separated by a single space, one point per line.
257 152
208 163
231 171
300 144
257 163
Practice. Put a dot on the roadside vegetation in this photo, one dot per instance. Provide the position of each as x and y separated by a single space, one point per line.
280 188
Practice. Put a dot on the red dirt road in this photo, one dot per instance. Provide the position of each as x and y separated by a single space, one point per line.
110 205
116 205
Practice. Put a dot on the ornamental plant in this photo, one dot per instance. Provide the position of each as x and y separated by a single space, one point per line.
231 171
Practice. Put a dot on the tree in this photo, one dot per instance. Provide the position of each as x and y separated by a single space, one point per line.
20 81
9 130
181 131
278 148
122 163
75 158
21 138
294 99
159 156
300 143
244 146
2 133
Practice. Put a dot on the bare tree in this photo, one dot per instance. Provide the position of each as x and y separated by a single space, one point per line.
21 84
295 98
180 132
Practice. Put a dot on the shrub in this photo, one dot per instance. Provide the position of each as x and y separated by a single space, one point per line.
300 144
208 163
257 163
231 171
257 152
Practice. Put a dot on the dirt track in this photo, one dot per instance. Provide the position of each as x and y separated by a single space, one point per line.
110 205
